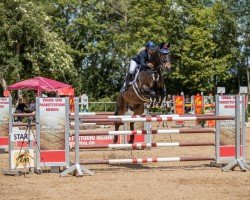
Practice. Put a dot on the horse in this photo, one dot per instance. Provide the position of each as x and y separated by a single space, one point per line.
148 87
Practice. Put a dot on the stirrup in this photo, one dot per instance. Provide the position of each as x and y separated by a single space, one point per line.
126 86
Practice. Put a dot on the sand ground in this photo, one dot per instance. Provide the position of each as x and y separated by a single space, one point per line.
175 180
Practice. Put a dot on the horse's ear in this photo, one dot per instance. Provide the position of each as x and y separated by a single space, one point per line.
161 45
164 45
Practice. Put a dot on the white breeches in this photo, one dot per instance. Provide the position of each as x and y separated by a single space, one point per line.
132 66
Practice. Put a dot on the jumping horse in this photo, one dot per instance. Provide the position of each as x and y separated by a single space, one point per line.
147 88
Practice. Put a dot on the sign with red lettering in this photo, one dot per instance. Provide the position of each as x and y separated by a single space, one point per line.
4 121
227 104
92 140
227 107
53 123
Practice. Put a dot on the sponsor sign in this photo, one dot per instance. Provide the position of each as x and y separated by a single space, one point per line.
21 159
198 104
53 123
227 105
20 135
179 104
4 121
91 140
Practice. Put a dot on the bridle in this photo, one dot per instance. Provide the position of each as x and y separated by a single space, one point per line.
163 56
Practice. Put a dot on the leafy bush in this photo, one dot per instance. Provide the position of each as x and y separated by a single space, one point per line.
104 104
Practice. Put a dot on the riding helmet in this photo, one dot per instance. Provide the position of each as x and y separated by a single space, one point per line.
150 45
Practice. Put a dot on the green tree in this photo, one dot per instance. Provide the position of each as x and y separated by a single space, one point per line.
207 52
89 43
28 47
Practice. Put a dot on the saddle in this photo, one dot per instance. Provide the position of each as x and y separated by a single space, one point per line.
133 79
135 75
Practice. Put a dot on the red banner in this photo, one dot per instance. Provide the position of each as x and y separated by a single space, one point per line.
66 92
179 105
198 104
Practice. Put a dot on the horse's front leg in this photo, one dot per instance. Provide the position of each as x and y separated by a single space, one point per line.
157 99
160 97
152 98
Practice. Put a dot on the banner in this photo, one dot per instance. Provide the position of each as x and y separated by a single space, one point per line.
198 104
179 107
91 140
227 105
4 122
52 121
227 127
21 159
52 116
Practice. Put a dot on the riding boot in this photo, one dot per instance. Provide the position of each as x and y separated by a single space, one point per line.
127 80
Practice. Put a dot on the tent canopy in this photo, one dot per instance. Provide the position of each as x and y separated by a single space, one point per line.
39 84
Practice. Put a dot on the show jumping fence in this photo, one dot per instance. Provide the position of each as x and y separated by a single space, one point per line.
122 119
61 108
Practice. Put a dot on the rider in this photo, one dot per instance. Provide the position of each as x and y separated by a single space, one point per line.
141 59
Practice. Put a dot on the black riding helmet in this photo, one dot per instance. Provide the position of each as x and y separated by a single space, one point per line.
150 45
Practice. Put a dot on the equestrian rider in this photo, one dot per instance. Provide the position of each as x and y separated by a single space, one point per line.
141 59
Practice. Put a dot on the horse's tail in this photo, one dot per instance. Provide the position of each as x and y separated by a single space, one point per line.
121 105
116 111
117 104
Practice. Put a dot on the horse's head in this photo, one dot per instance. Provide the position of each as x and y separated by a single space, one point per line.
161 58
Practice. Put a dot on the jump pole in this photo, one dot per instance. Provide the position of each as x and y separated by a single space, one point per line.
146 160
147 145
144 132
217 133
160 119
134 116
243 127
77 167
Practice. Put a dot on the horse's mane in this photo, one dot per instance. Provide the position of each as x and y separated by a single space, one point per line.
155 54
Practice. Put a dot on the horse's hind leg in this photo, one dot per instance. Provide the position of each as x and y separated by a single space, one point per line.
121 109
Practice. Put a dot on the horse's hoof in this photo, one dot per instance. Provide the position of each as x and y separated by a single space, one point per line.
131 141
115 139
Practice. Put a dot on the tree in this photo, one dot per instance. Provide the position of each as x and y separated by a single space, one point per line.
89 43
208 46
28 46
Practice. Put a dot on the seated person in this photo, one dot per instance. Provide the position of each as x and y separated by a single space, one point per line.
21 106
32 106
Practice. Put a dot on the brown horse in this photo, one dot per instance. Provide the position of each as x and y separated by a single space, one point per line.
147 88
